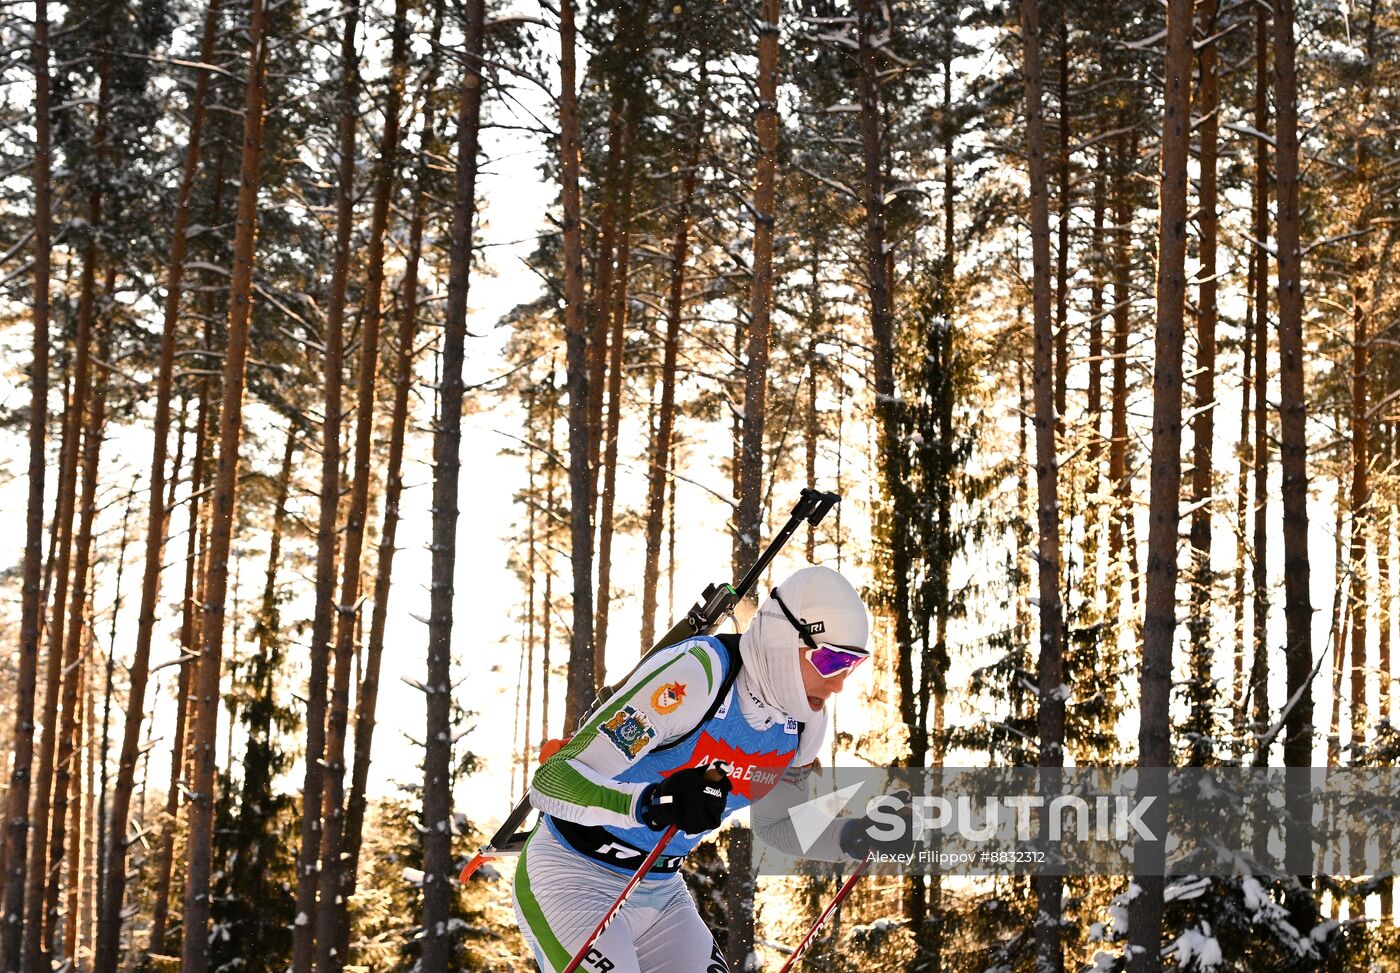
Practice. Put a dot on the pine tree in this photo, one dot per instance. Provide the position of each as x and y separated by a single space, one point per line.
581 675
328 957
83 382
367 697
1201 723
1159 622
1297 719
1049 675
1259 666
327 532
748 524
115 864
16 841
204 716
437 795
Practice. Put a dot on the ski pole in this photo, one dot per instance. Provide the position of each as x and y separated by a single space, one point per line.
835 903
616 907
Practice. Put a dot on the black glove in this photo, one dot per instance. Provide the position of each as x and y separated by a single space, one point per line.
692 799
865 834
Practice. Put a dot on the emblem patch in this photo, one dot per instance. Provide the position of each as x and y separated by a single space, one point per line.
629 731
668 697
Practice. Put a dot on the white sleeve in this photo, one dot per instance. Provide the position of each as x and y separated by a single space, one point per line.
662 701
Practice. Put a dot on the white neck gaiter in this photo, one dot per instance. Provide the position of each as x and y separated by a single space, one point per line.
772 665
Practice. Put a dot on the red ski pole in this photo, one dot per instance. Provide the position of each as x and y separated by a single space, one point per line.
835 904
616 907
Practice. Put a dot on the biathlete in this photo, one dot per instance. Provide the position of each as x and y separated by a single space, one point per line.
757 703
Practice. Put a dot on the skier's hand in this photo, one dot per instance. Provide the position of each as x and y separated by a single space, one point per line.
865 834
692 799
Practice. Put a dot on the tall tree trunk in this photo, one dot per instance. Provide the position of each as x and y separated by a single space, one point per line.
1118 476
1363 519
581 685
1062 225
1337 630
1293 457
1135 573
1245 448
660 465
749 516
547 542
736 419
1297 747
531 561
1159 623
305 930
82 858
368 694
196 566
78 838
1385 585
73 652
34 953
1024 464
67 431
810 437
1385 544
205 709
1357 593
189 640
1259 573
671 549
1094 404
1049 669
447 443
100 804
65 876
893 492
931 931
109 922
329 958
617 312
598 306
1201 690
16 840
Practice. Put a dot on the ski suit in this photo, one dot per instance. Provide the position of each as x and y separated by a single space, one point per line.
590 839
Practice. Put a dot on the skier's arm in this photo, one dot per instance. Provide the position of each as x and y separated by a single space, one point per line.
770 818
663 701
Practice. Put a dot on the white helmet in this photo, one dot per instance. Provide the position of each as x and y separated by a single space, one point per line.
827 606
